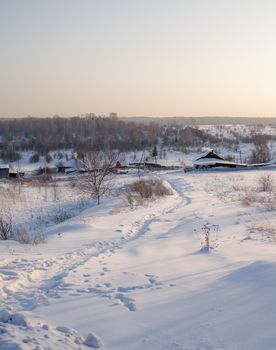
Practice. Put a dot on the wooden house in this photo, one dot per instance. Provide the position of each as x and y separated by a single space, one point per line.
210 160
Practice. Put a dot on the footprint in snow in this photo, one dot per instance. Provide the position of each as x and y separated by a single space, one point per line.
127 302
152 280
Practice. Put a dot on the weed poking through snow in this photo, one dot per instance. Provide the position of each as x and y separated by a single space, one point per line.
208 236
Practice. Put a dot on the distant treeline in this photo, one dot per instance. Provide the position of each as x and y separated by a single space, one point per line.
193 121
42 135
83 134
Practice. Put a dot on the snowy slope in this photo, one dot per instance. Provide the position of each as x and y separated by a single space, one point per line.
138 279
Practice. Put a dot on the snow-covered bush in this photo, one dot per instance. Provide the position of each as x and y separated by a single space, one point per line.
24 236
61 214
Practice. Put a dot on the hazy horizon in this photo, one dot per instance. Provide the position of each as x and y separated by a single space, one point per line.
152 58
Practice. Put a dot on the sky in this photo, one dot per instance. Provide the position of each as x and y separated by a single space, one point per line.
138 57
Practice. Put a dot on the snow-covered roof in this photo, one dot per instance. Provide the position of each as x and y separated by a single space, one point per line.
208 153
70 170
4 166
204 154
213 161
272 162
72 163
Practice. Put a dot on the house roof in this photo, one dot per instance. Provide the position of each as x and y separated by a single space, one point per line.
210 158
214 161
272 162
72 163
210 154
4 166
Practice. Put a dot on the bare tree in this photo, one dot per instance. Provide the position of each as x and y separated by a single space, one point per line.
99 167
261 152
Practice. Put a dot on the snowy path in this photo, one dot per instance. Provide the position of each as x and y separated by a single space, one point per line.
139 280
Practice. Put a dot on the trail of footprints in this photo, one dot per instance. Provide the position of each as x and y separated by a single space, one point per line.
98 283
38 287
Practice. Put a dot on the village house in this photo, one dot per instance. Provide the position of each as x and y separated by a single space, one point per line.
210 160
70 166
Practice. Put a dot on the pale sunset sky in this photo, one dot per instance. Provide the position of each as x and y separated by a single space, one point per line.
138 57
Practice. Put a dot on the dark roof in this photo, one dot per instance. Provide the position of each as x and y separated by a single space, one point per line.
210 154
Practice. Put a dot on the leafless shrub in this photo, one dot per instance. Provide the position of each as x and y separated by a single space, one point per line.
224 196
267 230
43 217
266 183
5 224
264 200
261 152
21 235
38 237
60 215
145 189
24 236
130 199
142 188
248 198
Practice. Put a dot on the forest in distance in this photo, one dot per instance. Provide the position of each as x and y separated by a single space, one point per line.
82 134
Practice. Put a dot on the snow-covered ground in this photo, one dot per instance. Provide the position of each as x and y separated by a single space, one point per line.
129 279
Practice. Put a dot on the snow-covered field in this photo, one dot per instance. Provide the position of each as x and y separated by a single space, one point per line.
118 278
